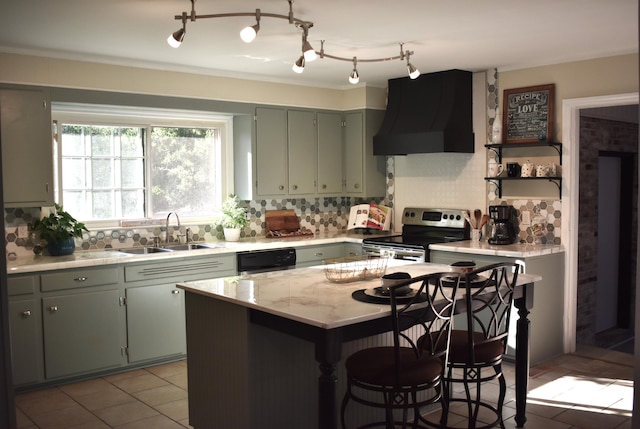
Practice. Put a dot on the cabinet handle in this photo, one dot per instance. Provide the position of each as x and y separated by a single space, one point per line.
318 254
80 279
175 291
281 187
26 313
44 104
53 308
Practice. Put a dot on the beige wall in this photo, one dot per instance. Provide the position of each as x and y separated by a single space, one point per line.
21 69
603 76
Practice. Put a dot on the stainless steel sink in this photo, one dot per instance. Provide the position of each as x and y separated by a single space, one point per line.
144 250
190 246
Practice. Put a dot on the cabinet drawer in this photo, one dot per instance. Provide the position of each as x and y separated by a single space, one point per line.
78 279
318 253
183 270
22 285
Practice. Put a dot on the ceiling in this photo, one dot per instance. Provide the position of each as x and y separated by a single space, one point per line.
443 34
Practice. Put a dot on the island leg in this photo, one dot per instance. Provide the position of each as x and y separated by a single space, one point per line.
523 304
328 350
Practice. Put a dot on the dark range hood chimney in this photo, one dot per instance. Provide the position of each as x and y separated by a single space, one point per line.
432 113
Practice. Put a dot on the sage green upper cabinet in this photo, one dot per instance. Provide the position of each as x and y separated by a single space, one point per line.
271 151
329 153
301 127
27 148
365 174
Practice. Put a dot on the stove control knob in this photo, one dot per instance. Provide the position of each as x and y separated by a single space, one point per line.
458 217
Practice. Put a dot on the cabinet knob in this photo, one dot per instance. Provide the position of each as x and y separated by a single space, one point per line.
80 279
175 291
295 187
53 308
281 187
324 186
357 186
26 313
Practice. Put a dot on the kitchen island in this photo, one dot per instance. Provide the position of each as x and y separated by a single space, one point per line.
266 350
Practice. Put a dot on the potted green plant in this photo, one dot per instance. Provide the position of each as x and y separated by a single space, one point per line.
232 219
59 230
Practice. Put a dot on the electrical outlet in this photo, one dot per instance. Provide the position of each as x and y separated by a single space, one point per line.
23 231
526 217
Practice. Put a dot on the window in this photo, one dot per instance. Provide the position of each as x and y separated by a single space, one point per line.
139 165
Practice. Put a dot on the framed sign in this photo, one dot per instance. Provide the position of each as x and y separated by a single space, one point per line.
528 114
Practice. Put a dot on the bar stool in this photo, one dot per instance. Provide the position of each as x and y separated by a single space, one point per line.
408 375
476 353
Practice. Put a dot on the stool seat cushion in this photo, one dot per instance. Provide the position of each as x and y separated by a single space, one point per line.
376 365
484 351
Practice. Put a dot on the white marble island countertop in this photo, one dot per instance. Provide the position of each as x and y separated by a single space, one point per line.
517 250
305 295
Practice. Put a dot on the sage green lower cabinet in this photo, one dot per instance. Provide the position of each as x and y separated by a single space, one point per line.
25 330
155 306
314 255
352 249
26 344
155 322
81 332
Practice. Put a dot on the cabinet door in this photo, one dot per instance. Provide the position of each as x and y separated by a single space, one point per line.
354 140
329 153
271 151
27 148
26 340
302 152
155 322
81 332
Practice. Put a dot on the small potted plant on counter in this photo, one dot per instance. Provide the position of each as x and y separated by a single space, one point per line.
59 230
232 219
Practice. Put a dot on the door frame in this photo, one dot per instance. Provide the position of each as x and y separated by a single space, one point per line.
570 189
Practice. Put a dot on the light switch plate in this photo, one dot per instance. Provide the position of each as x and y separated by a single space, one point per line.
526 217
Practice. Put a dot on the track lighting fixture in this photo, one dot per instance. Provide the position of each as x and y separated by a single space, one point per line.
354 77
249 33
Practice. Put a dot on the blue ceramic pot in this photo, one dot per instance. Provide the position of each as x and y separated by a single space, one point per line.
62 247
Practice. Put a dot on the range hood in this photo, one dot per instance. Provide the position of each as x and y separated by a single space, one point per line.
432 113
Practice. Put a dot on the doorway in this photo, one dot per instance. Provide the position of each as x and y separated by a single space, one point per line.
615 285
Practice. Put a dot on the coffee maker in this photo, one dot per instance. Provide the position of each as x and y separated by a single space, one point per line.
502 225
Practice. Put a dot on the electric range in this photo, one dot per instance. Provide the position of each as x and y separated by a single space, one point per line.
420 228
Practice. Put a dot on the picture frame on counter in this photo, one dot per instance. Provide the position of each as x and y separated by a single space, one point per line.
528 114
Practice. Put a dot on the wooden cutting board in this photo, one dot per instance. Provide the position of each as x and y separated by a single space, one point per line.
283 223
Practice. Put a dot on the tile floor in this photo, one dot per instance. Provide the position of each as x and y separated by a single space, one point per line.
590 389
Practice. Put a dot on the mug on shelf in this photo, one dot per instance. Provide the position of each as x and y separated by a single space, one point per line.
513 169
527 170
495 169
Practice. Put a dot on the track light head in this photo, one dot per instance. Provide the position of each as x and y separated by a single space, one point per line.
248 34
298 66
413 72
309 52
175 39
354 77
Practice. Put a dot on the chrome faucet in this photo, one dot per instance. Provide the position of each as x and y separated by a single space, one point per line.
168 236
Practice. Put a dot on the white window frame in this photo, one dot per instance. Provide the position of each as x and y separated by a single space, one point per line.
143 117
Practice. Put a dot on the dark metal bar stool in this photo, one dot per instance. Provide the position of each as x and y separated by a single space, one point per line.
408 375
476 352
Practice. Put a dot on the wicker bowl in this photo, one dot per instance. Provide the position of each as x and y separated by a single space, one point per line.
354 268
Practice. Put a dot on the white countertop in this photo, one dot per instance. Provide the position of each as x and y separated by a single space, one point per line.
508 250
79 259
305 295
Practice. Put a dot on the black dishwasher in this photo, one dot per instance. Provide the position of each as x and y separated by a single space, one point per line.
259 261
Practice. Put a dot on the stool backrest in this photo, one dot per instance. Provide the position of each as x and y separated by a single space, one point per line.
423 321
488 300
